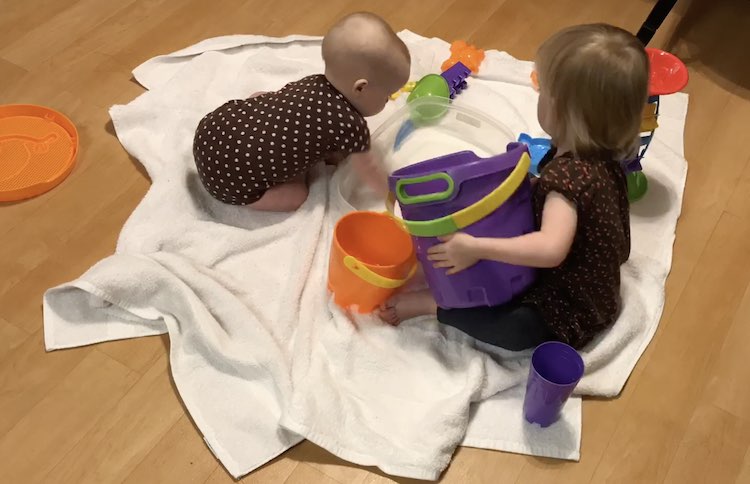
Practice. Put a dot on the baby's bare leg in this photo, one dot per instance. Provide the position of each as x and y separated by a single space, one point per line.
286 197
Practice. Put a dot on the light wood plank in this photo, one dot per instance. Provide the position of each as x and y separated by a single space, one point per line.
496 467
137 354
20 17
278 470
180 457
744 475
643 445
713 448
739 204
724 388
50 429
461 20
304 474
11 338
28 375
330 465
121 439
10 73
45 39
607 414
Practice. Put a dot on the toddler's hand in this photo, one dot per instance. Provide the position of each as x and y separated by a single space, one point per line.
456 253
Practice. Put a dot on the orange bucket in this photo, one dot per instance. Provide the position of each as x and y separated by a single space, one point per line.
372 256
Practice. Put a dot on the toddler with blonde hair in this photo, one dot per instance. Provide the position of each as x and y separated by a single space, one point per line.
592 83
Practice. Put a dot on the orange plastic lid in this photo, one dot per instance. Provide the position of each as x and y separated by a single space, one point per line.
38 148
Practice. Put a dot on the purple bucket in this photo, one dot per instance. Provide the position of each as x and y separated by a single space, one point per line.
459 180
556 369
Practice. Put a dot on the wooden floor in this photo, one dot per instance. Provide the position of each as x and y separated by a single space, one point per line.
109 413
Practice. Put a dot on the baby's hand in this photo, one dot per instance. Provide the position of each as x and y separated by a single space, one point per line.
456 253
369 169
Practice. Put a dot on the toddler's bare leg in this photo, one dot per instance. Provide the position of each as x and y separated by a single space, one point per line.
286 197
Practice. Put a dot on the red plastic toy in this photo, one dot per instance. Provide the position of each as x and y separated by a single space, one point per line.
667 73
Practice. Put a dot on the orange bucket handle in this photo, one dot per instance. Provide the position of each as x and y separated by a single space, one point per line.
366 274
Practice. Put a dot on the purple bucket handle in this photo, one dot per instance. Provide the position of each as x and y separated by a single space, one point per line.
461 166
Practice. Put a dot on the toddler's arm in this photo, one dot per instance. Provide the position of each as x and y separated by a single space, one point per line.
547 247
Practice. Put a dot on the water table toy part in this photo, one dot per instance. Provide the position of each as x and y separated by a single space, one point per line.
38 149
667 75
538 149
469 55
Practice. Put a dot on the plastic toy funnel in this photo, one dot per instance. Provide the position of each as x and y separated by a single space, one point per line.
371 257
556 369
436 88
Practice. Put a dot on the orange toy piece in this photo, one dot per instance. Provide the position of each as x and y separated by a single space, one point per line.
469 55
372 256
38 148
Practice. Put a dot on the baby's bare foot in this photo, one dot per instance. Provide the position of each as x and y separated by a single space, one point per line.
406 306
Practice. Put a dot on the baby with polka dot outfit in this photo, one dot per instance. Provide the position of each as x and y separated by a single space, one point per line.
258 151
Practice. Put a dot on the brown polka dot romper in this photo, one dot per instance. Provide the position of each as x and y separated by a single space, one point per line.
245 147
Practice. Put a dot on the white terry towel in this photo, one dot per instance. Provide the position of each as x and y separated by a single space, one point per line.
259 355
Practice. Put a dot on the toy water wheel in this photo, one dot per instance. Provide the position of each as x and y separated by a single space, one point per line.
667 75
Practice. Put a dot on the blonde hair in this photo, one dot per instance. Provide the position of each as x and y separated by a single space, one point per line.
596 76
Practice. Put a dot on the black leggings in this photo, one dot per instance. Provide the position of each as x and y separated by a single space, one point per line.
512 326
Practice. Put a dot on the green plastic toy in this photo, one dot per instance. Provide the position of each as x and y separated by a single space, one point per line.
433 86
637 186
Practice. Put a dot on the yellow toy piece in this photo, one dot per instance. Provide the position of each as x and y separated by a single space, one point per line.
648 119
408 87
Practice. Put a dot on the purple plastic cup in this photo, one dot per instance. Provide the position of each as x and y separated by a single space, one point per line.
556 369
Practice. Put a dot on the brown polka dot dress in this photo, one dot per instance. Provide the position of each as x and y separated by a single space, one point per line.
581 297
245 147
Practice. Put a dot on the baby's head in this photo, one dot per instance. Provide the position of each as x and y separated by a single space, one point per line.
366 61
593 86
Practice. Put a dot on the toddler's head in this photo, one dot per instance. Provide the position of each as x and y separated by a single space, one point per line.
366 61
593 86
